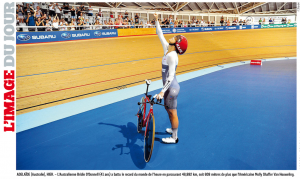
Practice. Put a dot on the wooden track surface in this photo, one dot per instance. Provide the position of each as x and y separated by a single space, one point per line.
54 73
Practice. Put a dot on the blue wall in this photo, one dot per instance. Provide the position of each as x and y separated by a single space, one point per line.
53 36
204 29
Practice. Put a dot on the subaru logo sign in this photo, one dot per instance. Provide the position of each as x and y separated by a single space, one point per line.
226 28
202 29
23 37
174 30
65 35
97 33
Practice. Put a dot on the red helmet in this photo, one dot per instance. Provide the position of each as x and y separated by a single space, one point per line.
181 44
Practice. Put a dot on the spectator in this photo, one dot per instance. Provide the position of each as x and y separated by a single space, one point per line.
222 20
66 10
25 3
80 23
87 23
180 23
110 22
44 17
212 23
98 23
149 25
273 21
202 23
120 20
111 15
20 12
289 21
21 23
17 24
132 25
241 22
78 11
116 24
193 23
100 13
55 23
131 21
228 22
105 25
167 22
82 8
38 12
244 23
73 12
141 25
270 21
35 5
176 24
72 24
260 21
136 19
52 10
171 24
28 9
126 15
234 22
188 24
19 3
90 11
39 23
43 7
97 18
57 11
48 24
208 24
30 20
81 17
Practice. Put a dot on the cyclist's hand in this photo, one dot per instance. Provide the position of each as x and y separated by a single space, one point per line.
160 95
156 16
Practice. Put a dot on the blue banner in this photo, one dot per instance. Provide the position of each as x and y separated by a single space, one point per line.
54 36
205 29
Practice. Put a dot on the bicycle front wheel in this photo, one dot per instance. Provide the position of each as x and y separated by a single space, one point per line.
149 138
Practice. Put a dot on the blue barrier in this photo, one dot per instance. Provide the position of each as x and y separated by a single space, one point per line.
53 36
205 29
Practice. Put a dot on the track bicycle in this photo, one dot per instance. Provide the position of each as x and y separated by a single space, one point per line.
147 121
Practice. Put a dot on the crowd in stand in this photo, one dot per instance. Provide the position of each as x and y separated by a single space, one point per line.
272 21
52 16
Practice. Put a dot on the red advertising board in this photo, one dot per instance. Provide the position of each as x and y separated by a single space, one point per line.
255 62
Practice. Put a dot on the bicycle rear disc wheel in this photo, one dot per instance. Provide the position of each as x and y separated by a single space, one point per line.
149 138
140 116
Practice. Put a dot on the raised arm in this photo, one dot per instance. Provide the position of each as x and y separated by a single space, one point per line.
160 34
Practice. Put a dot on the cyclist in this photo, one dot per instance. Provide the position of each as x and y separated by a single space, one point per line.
170 90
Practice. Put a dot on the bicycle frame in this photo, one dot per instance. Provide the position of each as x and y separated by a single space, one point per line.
151 102
147 100
149 113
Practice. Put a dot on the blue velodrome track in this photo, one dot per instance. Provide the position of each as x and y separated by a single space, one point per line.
243 117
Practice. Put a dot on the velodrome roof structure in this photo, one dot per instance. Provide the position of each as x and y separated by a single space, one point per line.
207 7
